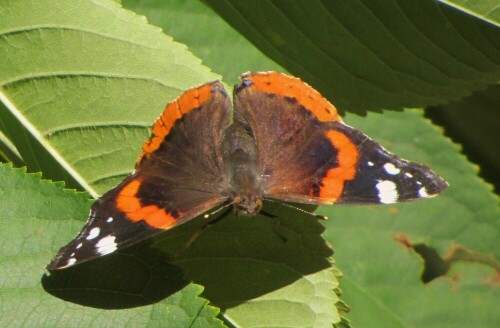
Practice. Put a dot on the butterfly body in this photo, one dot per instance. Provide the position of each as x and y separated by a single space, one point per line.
282 141
245 188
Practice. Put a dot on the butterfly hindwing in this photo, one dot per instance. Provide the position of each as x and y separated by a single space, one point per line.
290 145
171 183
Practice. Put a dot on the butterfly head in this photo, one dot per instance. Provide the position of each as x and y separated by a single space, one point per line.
247 204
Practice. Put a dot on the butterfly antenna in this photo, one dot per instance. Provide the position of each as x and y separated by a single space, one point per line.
321 217
209 215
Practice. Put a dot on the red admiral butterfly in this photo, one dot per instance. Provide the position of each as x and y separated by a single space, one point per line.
285 142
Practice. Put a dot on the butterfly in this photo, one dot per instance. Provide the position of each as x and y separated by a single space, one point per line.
283 142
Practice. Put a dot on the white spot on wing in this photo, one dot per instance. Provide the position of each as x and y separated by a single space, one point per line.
79 245
422 192
71 261
110 219
106 245
391 169
387 192
369 163
409 175
94 232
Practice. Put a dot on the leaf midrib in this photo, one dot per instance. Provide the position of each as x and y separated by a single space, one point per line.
46 145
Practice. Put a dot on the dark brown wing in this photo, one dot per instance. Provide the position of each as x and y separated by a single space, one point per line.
307 154
177 177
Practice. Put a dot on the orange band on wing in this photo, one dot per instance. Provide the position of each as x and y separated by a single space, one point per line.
292 87
128 203
189 100
332 184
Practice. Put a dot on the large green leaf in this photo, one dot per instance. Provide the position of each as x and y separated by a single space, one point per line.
96 75
36 219
211 38
383 275
368 55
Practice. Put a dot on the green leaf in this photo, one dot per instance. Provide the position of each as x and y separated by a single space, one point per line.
97 75
36 219
474 121
368 55
383 275
210 38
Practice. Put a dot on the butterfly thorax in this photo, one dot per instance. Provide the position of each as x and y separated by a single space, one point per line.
240 156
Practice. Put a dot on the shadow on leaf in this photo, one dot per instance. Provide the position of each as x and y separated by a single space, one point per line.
236 260
242 258
139 275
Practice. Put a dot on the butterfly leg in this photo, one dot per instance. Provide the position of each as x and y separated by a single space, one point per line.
276 224
198 232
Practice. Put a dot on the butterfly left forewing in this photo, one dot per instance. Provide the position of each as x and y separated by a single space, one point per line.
178 176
